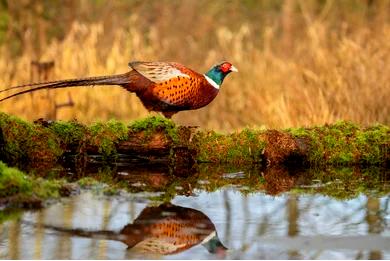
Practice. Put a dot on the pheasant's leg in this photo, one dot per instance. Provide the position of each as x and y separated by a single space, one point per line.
168 114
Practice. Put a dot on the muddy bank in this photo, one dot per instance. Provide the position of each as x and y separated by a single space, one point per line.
156 140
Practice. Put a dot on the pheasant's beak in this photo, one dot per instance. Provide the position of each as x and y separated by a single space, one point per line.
233 69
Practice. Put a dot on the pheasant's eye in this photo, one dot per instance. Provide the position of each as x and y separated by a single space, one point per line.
225 67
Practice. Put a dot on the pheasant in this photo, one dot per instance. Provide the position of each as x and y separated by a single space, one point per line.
166 229
165 87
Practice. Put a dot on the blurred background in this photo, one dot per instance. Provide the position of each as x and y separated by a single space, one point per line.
300 62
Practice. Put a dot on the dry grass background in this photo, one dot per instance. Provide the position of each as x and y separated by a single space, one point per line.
300 65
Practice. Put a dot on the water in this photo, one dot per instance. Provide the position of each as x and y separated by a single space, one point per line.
303 220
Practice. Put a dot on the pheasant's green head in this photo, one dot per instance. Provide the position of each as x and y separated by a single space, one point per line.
218 72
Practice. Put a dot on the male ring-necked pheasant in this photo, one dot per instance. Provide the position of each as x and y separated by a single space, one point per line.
165 87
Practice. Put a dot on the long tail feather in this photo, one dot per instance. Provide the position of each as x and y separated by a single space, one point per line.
99 234
120 79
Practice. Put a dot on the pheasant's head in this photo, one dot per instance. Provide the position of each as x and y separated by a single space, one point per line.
218 72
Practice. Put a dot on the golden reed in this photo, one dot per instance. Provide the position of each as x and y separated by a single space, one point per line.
319 77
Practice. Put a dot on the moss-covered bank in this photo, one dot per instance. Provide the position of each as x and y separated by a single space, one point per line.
345 143
19 189
158 140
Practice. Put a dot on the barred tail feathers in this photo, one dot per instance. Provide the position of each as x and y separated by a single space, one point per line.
120 79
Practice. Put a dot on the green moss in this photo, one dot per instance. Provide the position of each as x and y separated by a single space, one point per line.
105 136
15 133
156 123
334 143
238 147
299 132
24 141
344 143
373 144
341 143
10 214
68 132
47 188
13 181
345 127
118 129
87 182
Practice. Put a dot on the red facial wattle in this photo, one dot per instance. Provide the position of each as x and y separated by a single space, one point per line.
225 67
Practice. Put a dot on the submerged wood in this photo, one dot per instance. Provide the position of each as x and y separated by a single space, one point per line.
156 140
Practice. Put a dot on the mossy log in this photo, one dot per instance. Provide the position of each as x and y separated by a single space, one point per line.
156 140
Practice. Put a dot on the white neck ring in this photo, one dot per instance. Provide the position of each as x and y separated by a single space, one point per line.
214 84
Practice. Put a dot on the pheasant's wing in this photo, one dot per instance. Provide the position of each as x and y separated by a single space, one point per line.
159 72
175 84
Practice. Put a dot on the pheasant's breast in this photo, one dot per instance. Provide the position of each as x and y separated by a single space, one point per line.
184 91
176 91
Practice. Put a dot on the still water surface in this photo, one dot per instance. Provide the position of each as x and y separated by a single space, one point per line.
225 223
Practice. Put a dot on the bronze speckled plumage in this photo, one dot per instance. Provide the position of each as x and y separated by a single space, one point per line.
165 87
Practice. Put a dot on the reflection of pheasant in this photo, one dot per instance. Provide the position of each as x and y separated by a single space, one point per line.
166 229
161 86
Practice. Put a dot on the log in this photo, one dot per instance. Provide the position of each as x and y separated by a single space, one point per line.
158 141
